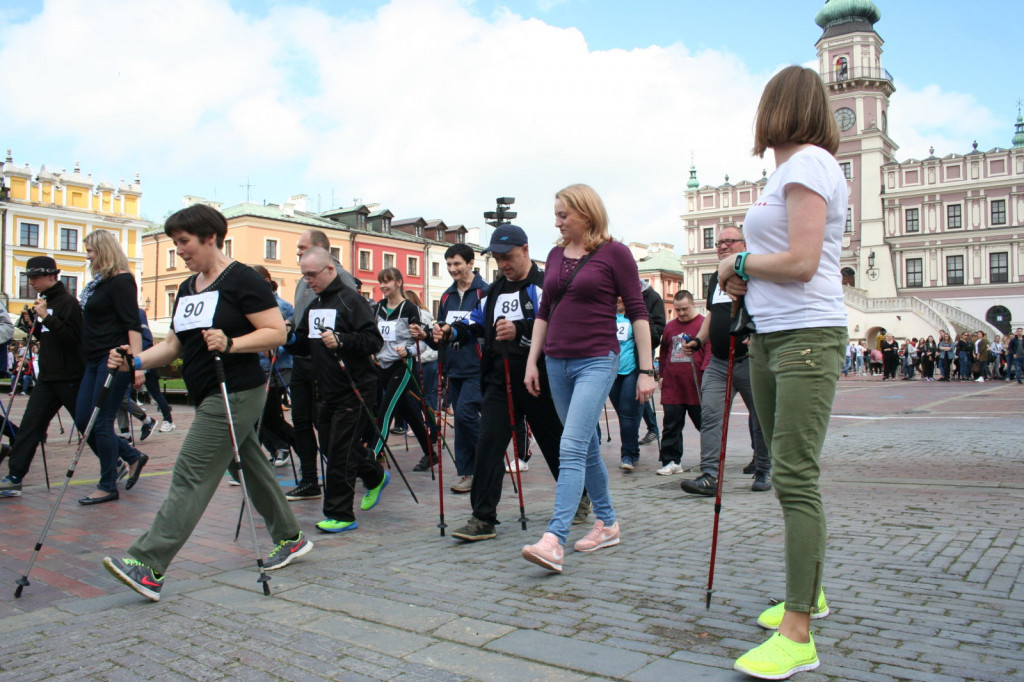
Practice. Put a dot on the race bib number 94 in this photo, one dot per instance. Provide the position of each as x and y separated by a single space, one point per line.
321 317
196 311
508 306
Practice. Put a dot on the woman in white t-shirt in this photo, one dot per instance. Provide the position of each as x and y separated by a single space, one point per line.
793 289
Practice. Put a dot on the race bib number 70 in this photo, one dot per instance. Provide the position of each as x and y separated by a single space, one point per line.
196 311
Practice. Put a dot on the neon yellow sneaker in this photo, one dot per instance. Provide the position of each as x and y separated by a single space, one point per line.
778 659
771 618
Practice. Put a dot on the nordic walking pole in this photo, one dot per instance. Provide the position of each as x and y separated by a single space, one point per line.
369 414
100 399
736 305
512 430
440 462
17 378
607 428
218 364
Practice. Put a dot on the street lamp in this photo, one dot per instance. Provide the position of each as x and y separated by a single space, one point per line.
872 270
501 215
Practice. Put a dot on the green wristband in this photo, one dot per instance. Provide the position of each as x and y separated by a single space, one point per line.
741 259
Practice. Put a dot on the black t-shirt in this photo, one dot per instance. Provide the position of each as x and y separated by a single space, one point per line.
111 311
720 310
237 292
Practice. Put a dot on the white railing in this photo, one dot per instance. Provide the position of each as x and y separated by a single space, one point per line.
940 315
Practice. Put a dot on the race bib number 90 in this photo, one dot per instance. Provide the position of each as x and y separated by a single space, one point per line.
321 317
509 307
387 329
196 311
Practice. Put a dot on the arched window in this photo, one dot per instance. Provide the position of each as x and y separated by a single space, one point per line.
842 68
849 277
999 317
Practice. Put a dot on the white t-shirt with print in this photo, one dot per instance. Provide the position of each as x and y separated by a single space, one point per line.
777 306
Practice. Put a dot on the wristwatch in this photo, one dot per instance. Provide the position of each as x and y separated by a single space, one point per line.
648 372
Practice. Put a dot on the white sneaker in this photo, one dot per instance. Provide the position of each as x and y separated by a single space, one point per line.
981 379
167 426
669 469
510 468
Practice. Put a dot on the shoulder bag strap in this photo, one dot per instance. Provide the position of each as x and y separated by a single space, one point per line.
572 275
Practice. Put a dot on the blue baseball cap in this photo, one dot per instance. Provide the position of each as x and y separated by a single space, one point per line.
505 238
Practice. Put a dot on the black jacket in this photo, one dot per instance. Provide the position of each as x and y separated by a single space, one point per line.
357 330
60 338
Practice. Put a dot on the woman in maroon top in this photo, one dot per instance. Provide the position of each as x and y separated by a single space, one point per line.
576 330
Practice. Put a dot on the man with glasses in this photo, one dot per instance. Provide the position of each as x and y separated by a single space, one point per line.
716 330
301 387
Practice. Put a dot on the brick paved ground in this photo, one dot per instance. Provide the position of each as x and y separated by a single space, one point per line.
923 485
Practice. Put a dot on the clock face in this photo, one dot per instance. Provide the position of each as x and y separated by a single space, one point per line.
845 118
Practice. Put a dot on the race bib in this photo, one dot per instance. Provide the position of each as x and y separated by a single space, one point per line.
719 296
321 317
387 329
196 311
42 327
454 316
508 306
622 331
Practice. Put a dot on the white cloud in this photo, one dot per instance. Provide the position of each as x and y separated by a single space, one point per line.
948 121
422 106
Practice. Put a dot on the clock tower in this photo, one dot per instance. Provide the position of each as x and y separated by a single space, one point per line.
850 63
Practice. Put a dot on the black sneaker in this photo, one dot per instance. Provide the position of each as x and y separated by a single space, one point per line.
147 428
750 468
475 530
305 490
705 484
649 437
136 575
286 551
424 463
762 482
398 430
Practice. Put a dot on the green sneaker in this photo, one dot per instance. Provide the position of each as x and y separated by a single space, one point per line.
372 496
778 659
333 526
770 618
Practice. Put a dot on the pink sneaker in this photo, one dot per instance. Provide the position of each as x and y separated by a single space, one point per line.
547 553
599 537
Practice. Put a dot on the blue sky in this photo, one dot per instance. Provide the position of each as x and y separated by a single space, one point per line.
434 107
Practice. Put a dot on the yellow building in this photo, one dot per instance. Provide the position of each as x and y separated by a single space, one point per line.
49 213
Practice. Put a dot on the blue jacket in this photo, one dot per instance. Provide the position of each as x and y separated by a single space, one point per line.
461 360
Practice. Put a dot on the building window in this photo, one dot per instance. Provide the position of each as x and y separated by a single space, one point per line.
68 239
460 238
365 260
954 270
847 169
954 216
999 267
336 253
412 266
29 234
709 237
386 224
999 212
169 297
389 260
435 269
915 272
705 281
229 248
24 290
70 283
913 220
849 219
270 249
171 263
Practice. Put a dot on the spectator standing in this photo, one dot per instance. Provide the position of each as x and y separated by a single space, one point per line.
681 372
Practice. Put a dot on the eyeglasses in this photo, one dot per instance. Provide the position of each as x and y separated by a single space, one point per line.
310 277
726 242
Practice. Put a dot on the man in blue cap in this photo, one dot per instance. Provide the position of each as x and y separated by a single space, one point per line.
503 323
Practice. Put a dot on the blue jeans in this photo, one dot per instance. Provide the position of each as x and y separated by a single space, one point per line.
965 365
466 399
623 397
102 439
579 387
1018 367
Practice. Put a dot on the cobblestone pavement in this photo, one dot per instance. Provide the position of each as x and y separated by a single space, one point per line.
923 484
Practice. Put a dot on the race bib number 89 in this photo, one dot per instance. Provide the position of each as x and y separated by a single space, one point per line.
196 311
508 306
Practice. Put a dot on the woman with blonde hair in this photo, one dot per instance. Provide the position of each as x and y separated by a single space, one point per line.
791 283
110 319
587 272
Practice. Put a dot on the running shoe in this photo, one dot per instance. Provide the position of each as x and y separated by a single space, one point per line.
778 659
372 496
511 467
547 553
771 618
10 486
286 551
305 490
136 575
147 428
335 526
167 427
599 537
669 469
475 530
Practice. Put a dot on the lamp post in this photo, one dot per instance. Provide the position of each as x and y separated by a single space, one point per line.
872 270
501 215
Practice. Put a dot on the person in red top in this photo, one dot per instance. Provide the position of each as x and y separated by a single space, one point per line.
680 379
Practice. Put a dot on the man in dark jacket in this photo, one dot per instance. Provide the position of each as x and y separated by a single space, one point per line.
58 327
338 325
656 312
503 323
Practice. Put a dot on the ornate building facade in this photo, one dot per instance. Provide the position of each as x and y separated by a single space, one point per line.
929 244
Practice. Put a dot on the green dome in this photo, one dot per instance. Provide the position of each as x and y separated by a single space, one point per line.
838 10
1018 137
692 182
